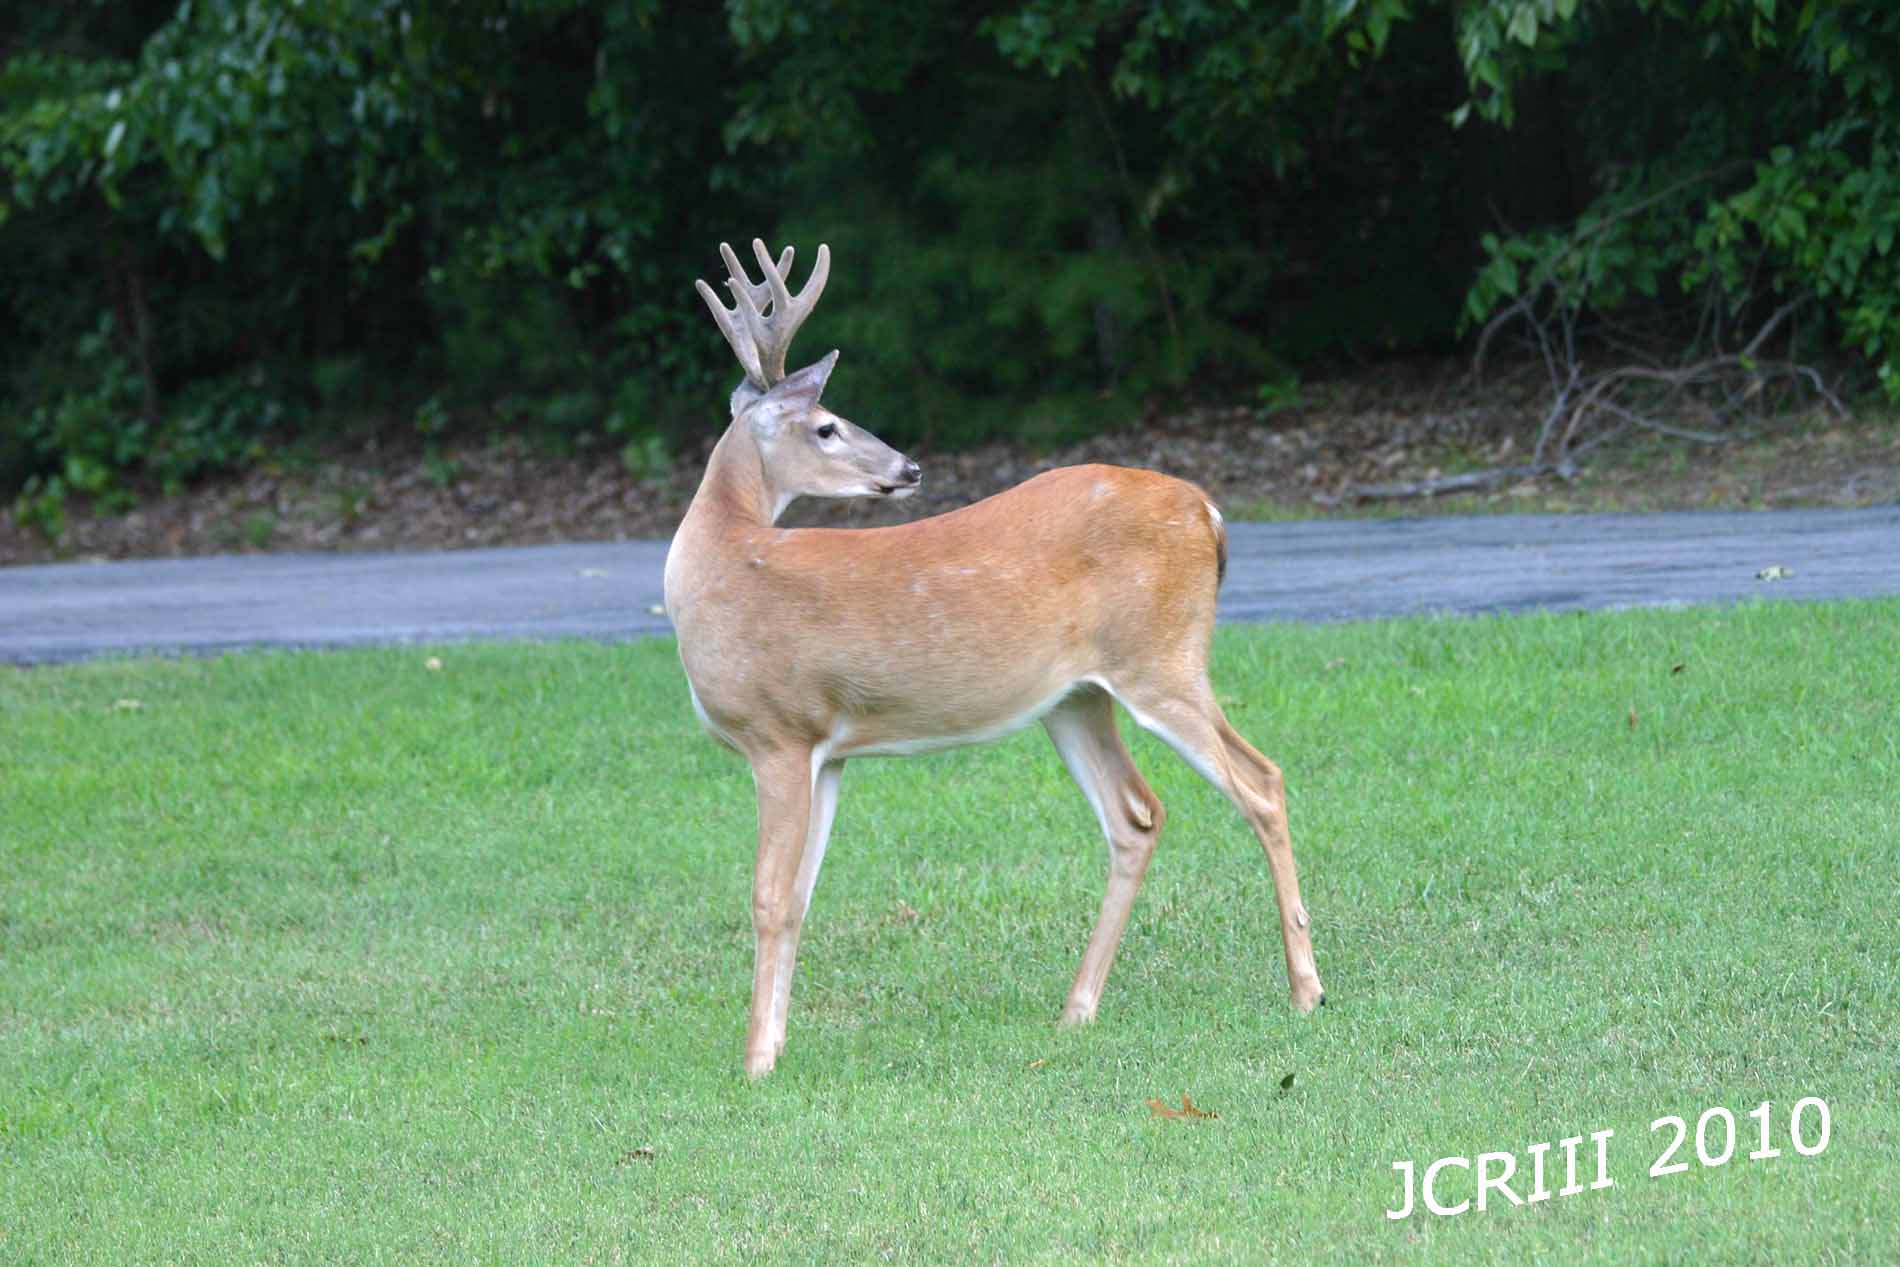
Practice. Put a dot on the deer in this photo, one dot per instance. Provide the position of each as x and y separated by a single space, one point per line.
1083 588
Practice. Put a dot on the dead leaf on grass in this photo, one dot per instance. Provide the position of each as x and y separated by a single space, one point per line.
1037 1064
1632 717
1188 1109
127 705
642 1153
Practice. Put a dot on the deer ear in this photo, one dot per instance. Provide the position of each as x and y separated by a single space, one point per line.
744 396
793 395
806 385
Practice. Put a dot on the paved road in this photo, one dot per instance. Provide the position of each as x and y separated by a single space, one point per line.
1319 571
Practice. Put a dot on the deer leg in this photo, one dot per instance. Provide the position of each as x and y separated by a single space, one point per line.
785 817
1083 731
824 808
1192 723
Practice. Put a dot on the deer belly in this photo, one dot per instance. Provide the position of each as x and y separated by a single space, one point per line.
710 726
913 730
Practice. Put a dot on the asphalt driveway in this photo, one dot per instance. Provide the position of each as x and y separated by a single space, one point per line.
1313 571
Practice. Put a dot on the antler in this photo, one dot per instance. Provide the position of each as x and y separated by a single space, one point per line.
760 342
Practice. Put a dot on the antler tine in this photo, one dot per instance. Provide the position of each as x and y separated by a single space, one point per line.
788 311
736 279
736 334
751 301
761 341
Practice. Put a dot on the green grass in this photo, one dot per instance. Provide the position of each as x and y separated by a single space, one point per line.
334 958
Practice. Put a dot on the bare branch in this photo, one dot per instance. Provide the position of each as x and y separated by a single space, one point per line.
1682 433
1556 411
1586 409
1768 327
1469 481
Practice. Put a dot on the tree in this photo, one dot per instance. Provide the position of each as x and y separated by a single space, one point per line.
1743 200
231 222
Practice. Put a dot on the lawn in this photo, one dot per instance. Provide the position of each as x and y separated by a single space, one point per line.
344 958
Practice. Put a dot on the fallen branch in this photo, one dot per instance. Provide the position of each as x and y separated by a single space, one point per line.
1585 408
1681 433
1464 483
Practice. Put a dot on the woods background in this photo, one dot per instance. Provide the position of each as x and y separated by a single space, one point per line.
232 225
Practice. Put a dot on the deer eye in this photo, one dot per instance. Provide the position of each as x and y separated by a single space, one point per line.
827 431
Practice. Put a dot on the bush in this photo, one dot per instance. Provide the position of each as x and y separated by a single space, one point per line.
228 221
1780 191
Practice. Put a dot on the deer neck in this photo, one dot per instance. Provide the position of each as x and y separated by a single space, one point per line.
736 495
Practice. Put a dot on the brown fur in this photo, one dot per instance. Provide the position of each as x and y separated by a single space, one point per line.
1050 601
807 646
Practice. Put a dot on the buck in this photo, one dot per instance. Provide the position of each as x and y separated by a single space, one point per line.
1079 589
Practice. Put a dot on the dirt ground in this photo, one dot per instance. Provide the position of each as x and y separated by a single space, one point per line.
1298 462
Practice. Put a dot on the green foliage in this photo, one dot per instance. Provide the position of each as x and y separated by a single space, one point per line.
646 458
416 196
1125 206
216 423
1278 393
1783 188
1196 63
225 221
1826 224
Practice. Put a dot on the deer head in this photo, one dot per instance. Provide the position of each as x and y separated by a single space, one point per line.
805 449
